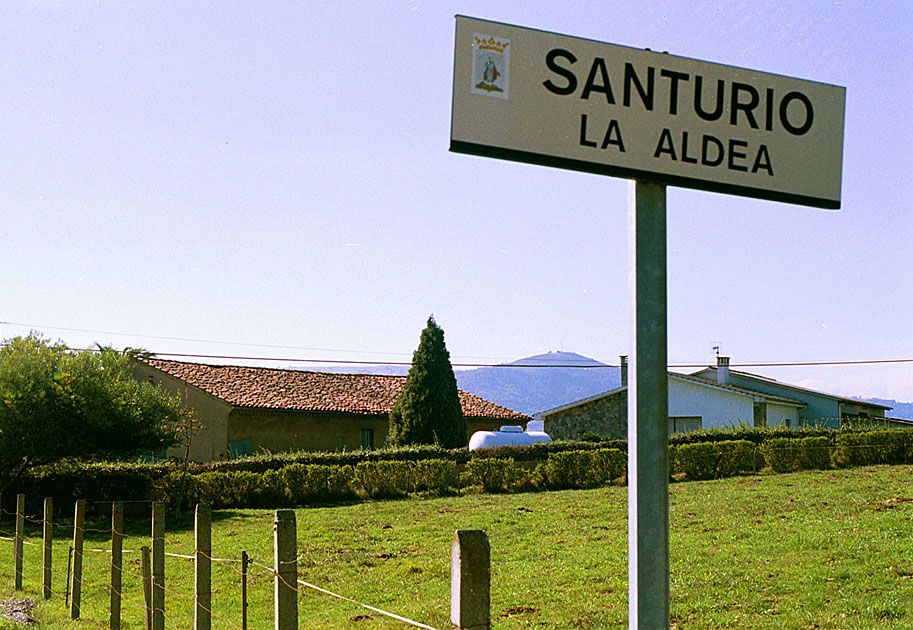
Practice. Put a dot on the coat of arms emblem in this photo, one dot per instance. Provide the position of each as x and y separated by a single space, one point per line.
490 65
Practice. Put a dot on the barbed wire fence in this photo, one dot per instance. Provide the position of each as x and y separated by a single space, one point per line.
145 568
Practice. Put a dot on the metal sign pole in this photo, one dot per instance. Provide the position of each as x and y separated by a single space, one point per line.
648 411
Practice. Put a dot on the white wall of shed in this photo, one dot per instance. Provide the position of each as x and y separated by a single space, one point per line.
777 413
717 408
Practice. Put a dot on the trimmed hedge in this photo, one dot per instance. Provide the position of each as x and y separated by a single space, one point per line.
306 479
756 435
584 469
794 454
498 475
713 460
884 446
69 479
260 463
542 450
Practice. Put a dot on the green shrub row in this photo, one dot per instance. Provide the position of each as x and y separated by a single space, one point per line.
307 484
584 469
756 435
883 446
794 454
714 460
318 479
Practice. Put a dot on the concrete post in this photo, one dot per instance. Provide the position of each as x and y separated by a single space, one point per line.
117 562
286 595
158 565
202 616
470 580
648 411
47 535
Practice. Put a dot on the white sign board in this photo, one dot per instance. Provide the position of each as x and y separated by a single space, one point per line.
543 98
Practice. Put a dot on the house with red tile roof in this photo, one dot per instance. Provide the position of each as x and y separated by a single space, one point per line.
243 409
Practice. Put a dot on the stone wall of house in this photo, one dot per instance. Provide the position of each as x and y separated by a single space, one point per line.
606 416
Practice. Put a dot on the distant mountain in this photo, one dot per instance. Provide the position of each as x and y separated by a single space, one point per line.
540 382
527 385
383 369
901 410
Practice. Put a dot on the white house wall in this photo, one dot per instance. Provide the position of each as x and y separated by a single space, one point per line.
777 414
716 407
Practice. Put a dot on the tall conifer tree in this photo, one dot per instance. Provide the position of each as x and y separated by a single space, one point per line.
428 410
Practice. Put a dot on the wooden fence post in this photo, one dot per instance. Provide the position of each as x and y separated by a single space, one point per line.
20 536
470 580
244 562
147 585
158 565
69 572
79 520
117 561
202 616
47 535
286 592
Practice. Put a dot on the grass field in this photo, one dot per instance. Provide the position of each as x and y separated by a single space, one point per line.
831 549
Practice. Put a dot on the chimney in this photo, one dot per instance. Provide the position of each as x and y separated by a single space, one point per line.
722 370
623 360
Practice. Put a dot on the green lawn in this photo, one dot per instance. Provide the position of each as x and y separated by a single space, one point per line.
831 549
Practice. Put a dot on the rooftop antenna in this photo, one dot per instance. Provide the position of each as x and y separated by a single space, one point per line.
717 350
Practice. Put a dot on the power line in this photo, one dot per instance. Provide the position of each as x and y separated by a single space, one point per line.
226 357
533 365
167 338
214 341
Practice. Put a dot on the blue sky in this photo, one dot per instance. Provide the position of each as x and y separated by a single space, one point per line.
279 175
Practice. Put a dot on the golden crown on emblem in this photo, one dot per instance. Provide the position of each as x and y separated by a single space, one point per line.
491 44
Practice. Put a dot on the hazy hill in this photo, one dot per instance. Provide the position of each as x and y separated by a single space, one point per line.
540 382
525 385
901 410
383 369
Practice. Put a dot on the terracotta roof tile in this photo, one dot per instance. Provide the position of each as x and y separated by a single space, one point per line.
299 390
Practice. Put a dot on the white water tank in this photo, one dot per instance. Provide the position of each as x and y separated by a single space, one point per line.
510 436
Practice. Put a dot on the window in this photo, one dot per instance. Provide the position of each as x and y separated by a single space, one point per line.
760 414
240 448
367 439
683 424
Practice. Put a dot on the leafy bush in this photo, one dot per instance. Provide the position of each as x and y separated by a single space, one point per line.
794 454
69 480
756 435
242 489
541 450
713 460
310 484
179 490
436 476
275 461
584 469
383 480
884 446
340 483
611 463
496 475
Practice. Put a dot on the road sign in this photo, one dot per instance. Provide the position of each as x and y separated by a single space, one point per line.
533 96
